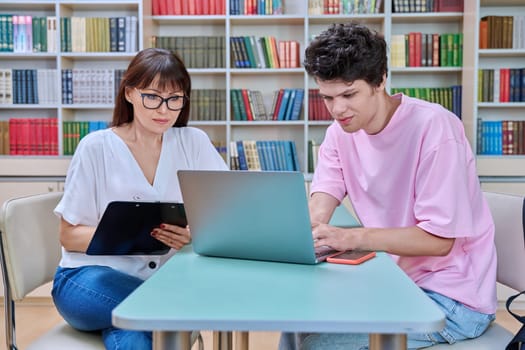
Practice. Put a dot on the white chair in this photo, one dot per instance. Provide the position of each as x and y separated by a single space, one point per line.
30 252
508 212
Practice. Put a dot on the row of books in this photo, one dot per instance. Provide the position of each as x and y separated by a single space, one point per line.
427 6
501 137
248 105
448 97
29 136
501 85
222 148
74 131
276 155
188 7
90 86
502 32
316 108
264 52
98 34
39 136
195 51
208 104
28 86
25 34
343 7
256 7
418 49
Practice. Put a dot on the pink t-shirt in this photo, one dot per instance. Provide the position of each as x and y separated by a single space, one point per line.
419 170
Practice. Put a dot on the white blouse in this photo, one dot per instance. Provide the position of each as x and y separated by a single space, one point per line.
103 169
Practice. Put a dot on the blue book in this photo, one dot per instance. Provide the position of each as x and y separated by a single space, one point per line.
243 165
274 150
297 104
288 155
297 166
284 104
270 158
262 155
289 105
281 155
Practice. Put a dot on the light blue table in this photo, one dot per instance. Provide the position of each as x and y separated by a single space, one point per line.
192 292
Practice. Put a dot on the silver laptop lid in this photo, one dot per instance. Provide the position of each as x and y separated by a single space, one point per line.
248 215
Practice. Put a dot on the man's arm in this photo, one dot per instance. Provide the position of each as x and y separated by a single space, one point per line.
321 206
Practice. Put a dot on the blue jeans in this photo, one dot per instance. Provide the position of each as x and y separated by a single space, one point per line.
461 323
85 297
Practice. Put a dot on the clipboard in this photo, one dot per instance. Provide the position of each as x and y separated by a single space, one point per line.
125 228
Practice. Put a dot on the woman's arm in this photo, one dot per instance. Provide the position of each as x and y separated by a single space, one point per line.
75 238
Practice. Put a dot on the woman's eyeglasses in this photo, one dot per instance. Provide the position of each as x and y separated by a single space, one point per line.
153 101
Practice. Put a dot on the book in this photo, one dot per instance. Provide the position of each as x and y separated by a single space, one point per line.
243 164
252 155
297 104
281 115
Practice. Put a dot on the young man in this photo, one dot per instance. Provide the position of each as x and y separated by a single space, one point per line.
410 174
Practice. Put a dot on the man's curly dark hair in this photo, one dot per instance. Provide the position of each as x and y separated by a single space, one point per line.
347 52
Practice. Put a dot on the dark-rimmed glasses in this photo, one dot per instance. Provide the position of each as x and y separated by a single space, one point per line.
153 101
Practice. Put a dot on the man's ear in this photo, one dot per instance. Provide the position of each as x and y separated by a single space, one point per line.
381 87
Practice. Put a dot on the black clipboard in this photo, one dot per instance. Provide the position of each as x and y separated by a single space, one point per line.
125 228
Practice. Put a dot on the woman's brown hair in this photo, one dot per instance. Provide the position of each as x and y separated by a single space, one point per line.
148 65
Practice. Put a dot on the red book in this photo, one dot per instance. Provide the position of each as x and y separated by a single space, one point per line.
185 7
418 44
278 104
24 133
34 142
163 7
449 5
197 8
177 7
311 104
54 136
155 7
483 33
192 7
46 141
170 7
247 104
13 136
214 7
325 114
504 91
412 49
283 62
294 54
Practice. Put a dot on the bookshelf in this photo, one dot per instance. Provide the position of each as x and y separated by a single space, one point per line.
46 54
296 23
299 24
501 172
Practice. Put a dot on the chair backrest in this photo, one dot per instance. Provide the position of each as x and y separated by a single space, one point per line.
29 241
508 214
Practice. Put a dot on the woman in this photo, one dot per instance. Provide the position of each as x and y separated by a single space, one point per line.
137 159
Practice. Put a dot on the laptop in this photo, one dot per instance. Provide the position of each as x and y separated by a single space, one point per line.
258 215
